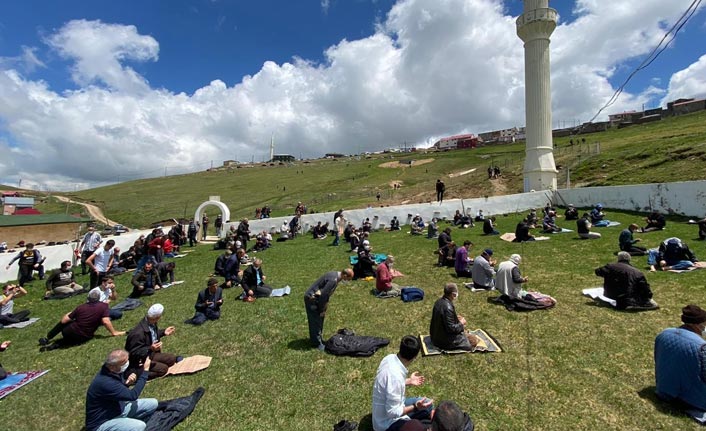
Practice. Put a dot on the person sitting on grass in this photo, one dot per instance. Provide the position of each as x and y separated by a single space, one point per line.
626 284
253 282
7 304
433 229
509 279
549 223
532 218
598 216
489 226
394 223
522 232
702 228
110 405
384 277
626 242
233 274
483 271
443 241
365 267
463 261
417 225
219 268
107 295
447 255
166 271
80 325
145 281
144 341
655 221
571 213
447 329
680 372
391 410
583 227
3 346
673 254
208 303
62 281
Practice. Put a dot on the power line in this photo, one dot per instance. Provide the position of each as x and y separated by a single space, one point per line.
661 46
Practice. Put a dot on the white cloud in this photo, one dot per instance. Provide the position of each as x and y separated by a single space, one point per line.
689 82
27 62
99 51
433 67
325 5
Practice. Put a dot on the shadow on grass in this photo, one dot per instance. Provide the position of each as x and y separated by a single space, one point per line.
300 344
675 409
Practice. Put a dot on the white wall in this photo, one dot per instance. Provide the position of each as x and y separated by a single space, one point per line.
686 198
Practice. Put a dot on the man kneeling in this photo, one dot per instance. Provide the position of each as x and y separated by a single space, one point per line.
447 329
144 343
626 284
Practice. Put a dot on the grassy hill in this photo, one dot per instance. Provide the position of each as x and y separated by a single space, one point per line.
670 150
577 366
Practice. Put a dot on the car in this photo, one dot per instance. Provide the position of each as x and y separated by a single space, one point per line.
118 229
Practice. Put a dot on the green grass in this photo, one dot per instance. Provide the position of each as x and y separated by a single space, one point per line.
670 150
577 366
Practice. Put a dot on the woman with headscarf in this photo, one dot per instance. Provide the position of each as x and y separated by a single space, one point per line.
509 279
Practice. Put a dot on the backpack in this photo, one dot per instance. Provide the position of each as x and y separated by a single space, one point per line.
412 294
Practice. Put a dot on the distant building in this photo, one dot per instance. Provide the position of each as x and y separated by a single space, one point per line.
334 155
686 107
230 163
36 228
457 142
11 204
287 158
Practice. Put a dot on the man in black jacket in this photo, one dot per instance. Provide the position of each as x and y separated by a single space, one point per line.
626 284
145 281
253 281
144 341
447 329
208 303
316 300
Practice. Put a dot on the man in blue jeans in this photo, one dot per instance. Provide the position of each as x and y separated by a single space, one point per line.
110 404
391 410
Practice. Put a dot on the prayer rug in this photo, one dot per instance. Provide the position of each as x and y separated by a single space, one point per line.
190 365
127 304
178 256
487 344
510 237
165 285
596 294
379 258
22 324
16 380
564 230
286 290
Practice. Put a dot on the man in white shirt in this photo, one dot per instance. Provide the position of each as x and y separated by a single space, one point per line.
108 294
100 261
90 242
391 410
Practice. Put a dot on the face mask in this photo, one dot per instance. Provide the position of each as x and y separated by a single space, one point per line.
123 368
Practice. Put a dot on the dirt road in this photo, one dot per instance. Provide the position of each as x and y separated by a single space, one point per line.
93 210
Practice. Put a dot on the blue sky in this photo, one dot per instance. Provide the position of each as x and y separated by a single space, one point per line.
321 75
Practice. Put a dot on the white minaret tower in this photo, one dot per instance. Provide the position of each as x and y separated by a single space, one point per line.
272 147
534 27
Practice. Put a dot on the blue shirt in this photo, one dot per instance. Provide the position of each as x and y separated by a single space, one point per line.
106 394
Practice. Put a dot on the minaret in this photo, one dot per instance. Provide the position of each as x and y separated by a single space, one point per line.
272 148
534 27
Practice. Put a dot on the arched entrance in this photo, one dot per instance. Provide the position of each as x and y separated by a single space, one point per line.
215 201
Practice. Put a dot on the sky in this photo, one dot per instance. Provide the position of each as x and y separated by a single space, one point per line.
93 93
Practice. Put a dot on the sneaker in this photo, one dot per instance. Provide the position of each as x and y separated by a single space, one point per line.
43 341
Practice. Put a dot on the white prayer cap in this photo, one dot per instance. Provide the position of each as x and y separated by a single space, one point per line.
516 259
366 242
155 310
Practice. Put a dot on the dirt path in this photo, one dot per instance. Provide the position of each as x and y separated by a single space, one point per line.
93 210
499 187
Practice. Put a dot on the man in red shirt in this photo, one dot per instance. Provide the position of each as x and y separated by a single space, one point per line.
383 278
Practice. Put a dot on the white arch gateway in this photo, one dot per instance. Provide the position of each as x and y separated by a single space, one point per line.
213 201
